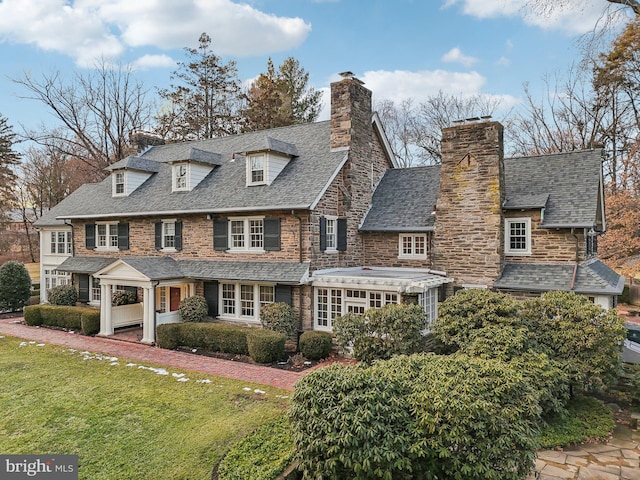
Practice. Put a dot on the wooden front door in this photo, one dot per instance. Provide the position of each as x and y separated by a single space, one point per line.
174 299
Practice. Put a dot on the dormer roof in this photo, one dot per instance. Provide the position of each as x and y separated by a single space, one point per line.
135 163
198 156
274 145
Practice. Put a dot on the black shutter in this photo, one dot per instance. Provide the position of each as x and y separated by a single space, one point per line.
133 290
211 295
272 234
83 287
220 234
90 236
283 294
158 235
323 234
123 236
178 237
342 235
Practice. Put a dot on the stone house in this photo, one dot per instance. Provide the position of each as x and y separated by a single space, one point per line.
318 216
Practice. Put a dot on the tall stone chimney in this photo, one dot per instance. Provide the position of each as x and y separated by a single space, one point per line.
469 238
350 112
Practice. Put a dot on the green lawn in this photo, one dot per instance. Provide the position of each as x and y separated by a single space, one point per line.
124 422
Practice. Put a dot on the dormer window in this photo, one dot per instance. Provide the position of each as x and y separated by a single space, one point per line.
180 177
119 184
257 166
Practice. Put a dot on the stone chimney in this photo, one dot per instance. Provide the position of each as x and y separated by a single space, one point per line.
140 140
350 112
468 239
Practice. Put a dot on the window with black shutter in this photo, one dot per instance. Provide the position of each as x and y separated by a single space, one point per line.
178 237
211 295
220 234
158 235
323 234
83 288
342 235
283 294
123 236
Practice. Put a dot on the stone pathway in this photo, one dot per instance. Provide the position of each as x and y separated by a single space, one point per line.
618 459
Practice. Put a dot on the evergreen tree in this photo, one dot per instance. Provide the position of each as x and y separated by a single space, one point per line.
9 159
205 101
15 286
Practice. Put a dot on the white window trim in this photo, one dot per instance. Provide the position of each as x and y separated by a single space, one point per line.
413 255
334 235
68 242
115 184
507 236
174 177
237 316
247 236
265 170
108 247
162 236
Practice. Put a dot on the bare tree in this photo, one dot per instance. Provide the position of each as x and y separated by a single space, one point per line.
546 7
95 113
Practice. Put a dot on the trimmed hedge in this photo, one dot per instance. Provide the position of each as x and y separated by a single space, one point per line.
207 336
265 346
63 295
193 309
316 345
84 319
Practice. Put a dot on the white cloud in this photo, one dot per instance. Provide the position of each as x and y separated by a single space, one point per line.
503 61
91 29
565 16
455 55
147 62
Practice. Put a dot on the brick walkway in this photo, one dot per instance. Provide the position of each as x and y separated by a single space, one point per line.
144 353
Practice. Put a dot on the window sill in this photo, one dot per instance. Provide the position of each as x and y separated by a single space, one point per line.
107 249
168 250
331 252
517 254
412 257
318 328
244 252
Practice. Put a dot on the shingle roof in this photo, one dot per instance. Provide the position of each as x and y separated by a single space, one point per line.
570 179
135 163
165 268
567 185
48 219
404 200
593 277
299 184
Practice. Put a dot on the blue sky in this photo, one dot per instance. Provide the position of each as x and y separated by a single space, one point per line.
399 48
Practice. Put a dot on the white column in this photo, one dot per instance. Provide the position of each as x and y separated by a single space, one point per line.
148 316
106 325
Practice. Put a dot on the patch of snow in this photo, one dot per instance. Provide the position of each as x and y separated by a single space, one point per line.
246 389
282 396
206 380
259 392
194 350
23 344
183 379
130 364
114 363
32 342
1 336
40 345
178 375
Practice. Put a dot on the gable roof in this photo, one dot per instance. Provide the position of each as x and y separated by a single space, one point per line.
592 277
404 200
566 185
298 186
571 180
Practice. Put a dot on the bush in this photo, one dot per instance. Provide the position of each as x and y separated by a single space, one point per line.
34 300
381 333
63 295
262 455
265 346
422 416
316 345
15 286
278 317
123 297
32 315
207 336
84 319
193 309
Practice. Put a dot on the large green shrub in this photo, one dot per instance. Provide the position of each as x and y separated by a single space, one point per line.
582 337
316 345
193 309
262 455
84 319
214 337
381 333
422 416
63 295
278 317
15 286
265 346
123 297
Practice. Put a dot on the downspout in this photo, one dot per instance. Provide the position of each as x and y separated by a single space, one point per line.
300 297
73 243
575 267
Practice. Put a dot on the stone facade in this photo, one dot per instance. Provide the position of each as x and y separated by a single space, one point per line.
469 239
382 248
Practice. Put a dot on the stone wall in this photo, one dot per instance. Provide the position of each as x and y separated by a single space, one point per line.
468 242
382 249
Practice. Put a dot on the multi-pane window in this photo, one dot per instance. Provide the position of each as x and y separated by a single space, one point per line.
61 243
107 235
413 246
243 301
53 278
95 290
328 306
332 233
518 236
180 177
246 234
429 302
168 234
119 183
257 166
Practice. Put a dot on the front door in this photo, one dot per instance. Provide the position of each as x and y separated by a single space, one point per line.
174 299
